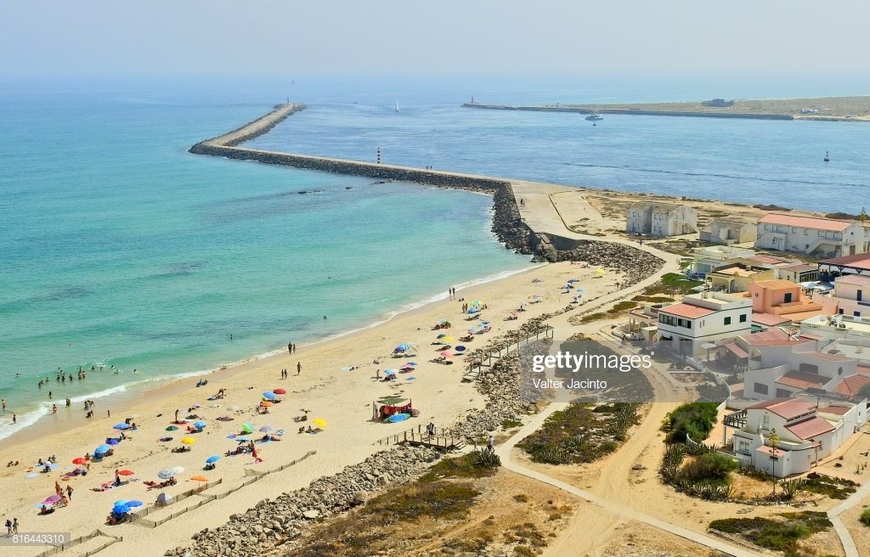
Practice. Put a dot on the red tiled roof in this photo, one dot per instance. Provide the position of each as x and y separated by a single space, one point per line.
816 223
768 259
787 408
850 385
836 410
686 310
768 319
811 427
860 280
829 357
802 379
847 259
800 267
736 350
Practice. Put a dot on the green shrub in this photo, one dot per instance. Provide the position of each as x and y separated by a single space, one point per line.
709 466
486 459
865 517
695 419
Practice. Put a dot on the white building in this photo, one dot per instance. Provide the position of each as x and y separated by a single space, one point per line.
805 430
837 327
851 296
703 318
727 231
661 219
814 236
707 258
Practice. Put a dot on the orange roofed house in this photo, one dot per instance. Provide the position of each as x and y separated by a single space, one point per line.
815 236
783 300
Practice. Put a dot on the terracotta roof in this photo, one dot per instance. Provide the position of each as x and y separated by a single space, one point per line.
802 379
686 310
835 410
811 427
850 385
771 337
847 259
816 223
768 450
787 408
736 350
829 357
800 267
777 284
859 280
769 319
768 259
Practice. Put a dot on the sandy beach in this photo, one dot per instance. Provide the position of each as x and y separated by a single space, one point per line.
337 384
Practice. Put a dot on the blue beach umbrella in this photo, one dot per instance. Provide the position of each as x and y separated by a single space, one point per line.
270 395
102 449
133 504
199 425
121 426
212 459
112 441
121 509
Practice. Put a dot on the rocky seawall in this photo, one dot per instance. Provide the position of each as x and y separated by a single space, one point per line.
506 222
633 111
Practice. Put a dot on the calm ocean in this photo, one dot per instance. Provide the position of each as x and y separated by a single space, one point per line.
120 249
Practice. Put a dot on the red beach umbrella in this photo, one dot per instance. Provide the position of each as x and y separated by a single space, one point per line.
126 473
280 391
80 460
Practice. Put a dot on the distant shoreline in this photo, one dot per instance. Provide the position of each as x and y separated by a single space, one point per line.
832 109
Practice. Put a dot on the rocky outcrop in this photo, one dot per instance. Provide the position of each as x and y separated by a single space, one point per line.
636 264
276 522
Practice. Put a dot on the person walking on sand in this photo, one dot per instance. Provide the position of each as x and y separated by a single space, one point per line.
490 444
298 368
58 489
69 492
14 525
289 347
176 414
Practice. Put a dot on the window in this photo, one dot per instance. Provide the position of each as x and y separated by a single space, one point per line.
787 298
743 318
727 320
806 232
761 389
856 313
765 421
821 234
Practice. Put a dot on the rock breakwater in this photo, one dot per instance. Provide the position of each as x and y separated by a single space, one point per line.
280 521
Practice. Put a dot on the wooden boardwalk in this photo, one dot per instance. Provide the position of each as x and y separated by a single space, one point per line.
496 354
443 439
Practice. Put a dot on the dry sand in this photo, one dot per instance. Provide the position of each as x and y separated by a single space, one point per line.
326 386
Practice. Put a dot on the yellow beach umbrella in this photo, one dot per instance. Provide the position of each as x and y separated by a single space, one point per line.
188 441
319 422
448 340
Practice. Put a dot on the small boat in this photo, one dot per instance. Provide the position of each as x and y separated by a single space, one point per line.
594 117
397 105
827 158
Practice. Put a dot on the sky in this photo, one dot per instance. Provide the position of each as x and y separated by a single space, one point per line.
496 37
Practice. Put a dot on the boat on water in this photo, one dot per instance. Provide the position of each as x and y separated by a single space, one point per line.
827 158
397 105
594 117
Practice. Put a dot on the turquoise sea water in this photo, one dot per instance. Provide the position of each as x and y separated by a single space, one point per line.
120 249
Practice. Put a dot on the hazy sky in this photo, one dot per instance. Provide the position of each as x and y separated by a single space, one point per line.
435 36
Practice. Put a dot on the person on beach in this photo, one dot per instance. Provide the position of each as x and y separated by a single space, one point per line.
298 368
117 478
4 404
294 344
176 414
14 525
490 444
58 489
69 492
14 418
8 527
289 347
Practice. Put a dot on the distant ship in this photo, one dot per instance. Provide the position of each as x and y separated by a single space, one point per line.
397 105
594 118
827 158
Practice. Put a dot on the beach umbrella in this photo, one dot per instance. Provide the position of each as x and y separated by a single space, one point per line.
51 500
212 459
121 426
279 391
113 441
242 440
448 340
178 470
460 349
392 400
199 478
80 460
319 422
266 404
126 472
599 271
473 310
247 428
442 335
134 503
172 428
389 372
102 449
573 280
266 428
120 509
166 473
270 395
188 441
199 424
444 353
410 363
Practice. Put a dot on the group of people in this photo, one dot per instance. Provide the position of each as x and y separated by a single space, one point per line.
11 526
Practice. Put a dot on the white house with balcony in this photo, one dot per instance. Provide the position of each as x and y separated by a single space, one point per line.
708 317
816 236
787 436
837 327
661 219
